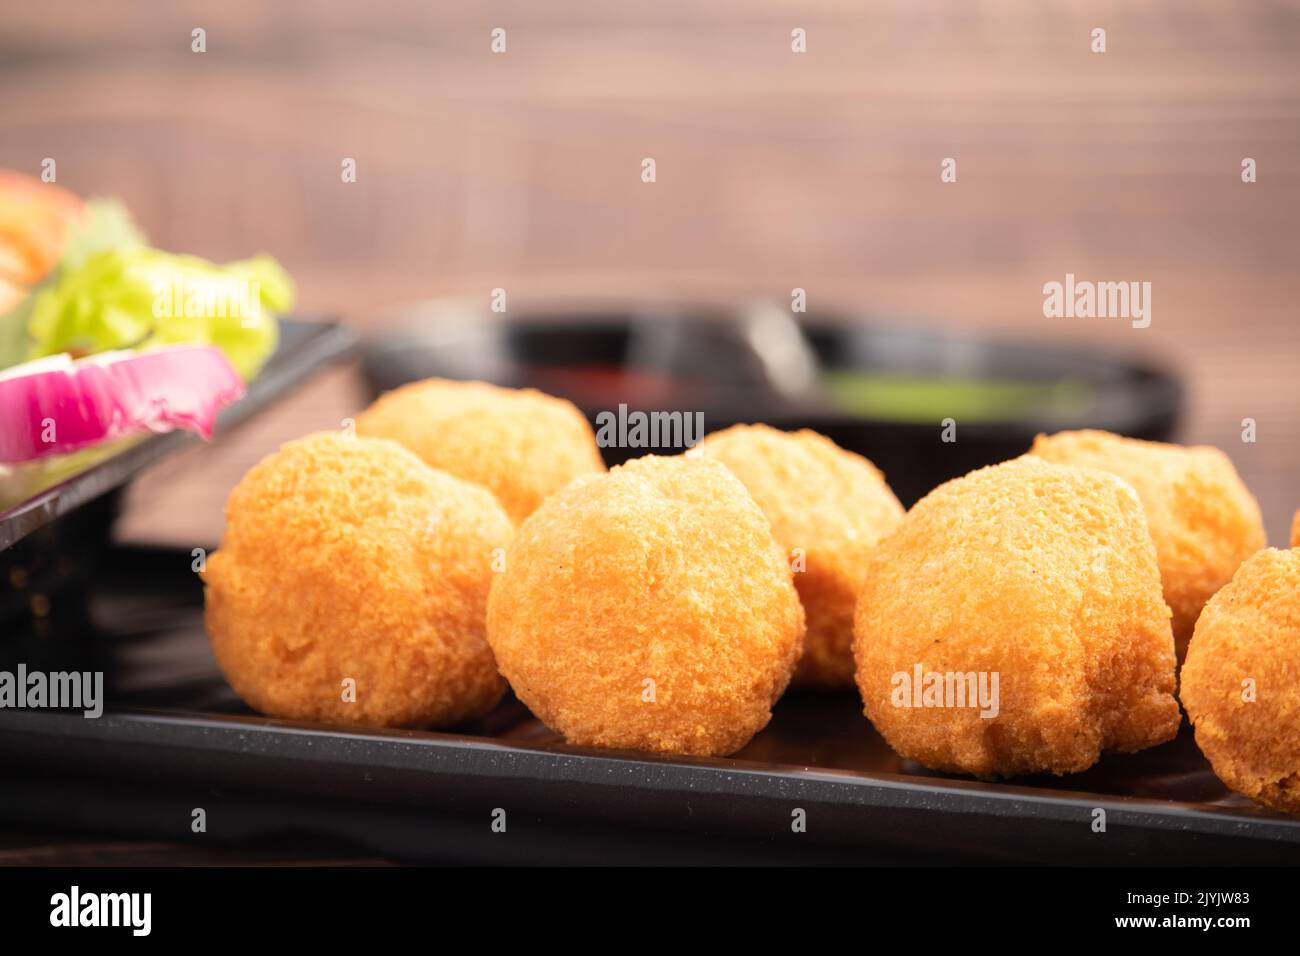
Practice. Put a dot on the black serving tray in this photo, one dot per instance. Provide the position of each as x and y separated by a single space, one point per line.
174 737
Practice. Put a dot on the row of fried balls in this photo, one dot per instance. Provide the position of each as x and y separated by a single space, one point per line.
469 535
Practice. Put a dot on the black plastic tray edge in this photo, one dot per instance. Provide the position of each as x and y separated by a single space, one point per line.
446 772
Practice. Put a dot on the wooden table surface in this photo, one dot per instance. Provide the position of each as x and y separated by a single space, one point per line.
774 170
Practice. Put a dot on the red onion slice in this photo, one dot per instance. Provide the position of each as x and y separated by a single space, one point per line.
54 405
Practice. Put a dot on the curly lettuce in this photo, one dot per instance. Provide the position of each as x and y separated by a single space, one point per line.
111 291
141 297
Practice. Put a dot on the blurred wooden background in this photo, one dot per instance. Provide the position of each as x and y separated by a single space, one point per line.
775 170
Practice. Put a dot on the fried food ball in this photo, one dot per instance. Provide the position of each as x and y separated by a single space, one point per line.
828 507
649 608
349 558
1012 623
1241 682
1203 519
521 444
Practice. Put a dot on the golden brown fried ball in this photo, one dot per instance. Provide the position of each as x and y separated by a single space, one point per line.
1203 519
521 444
1241 682
351 558
828 507
1042 575
649 609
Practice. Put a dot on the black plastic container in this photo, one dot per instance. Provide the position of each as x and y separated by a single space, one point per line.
733 367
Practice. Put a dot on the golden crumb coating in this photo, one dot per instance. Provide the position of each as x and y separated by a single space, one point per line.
1040 574
1203 519
1295 530
649 609
349 558
1241 682
521 444
828 507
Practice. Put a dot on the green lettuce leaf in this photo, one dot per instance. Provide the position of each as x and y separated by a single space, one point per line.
108 226
13 333
111 291
137 297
